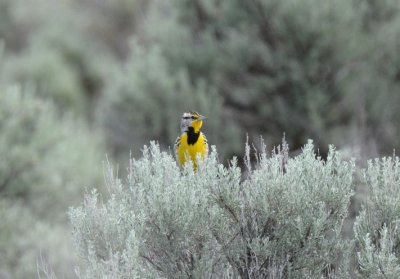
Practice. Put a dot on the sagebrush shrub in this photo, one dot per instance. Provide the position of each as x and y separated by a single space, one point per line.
377 228
283 220
44 156
46 161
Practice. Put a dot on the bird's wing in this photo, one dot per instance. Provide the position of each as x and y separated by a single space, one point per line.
205 144
176 146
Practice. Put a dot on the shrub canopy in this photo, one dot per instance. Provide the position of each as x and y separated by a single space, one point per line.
284 220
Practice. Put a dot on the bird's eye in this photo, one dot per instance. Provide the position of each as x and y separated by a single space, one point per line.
193 117
186 117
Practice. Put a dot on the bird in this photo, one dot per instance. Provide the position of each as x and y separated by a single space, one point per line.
191 140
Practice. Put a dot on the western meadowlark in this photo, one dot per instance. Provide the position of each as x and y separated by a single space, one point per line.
191 141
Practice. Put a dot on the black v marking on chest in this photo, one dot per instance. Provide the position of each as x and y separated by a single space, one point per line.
192 137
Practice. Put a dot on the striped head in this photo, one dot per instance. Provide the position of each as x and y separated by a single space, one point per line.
191 119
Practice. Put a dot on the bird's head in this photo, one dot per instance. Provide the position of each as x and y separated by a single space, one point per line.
191 119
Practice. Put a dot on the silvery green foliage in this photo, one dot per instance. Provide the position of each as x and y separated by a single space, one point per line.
46 157
283 220
46 163
27 240
68 69
377 228
63 68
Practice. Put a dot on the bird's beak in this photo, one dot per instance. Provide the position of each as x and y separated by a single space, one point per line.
201 117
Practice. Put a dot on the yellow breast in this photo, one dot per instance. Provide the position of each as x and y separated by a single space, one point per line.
190 151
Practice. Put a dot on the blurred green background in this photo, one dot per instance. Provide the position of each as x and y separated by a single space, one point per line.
80 79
